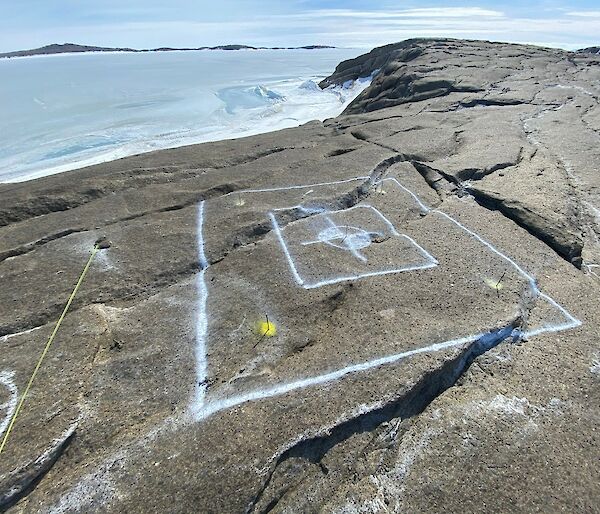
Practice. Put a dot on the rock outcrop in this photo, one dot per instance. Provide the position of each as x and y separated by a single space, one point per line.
590 50
395 310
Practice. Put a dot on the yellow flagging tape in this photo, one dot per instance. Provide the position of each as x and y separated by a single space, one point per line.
47 347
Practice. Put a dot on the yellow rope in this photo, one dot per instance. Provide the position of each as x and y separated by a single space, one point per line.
47 347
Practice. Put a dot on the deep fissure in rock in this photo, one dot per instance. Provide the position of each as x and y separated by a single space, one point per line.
414 402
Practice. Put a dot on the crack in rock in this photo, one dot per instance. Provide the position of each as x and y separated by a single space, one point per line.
220 190
19 483
486 102
254 232
412 403
561 240
59 201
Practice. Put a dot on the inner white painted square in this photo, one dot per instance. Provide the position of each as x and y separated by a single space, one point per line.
337 246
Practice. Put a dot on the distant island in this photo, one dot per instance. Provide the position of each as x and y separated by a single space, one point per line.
72 48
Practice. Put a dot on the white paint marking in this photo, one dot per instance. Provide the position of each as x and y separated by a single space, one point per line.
307 210
203 410
305 186
493 249
431 258
201 254
421 204
285 250
351 239
23 332
595 210
202 322
6 378
432 262
572 323
365 275
387 222
212 407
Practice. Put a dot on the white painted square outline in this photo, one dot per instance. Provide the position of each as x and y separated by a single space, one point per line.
202 409
431 261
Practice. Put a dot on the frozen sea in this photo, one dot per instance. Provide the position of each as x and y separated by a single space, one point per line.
63 112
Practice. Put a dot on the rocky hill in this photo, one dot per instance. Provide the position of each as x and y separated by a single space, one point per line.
73 48
396 310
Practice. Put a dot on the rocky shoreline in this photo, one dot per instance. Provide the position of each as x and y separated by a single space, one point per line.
426 266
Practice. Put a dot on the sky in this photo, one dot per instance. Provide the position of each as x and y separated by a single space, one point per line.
349 23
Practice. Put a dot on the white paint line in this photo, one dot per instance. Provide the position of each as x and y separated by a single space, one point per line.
305 186
365 275
571 323
212 407
295 274
308 210
202 321
354 242
422 205
328 236
329 221
23 332
201 254
201 333
6 378
427 255
574 322
391 226
595 210
531 280
387 222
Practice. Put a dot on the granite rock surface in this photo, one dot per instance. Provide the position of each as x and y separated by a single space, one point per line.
396 310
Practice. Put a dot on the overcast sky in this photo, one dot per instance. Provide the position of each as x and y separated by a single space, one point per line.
349 23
